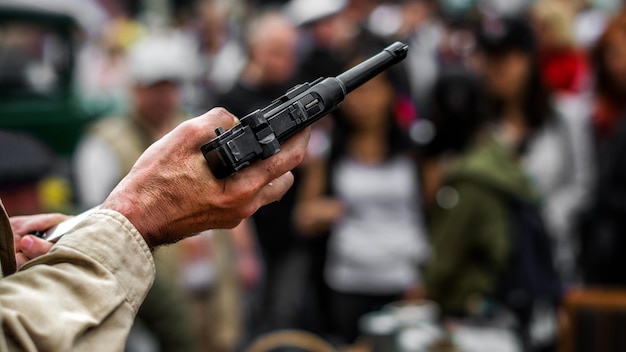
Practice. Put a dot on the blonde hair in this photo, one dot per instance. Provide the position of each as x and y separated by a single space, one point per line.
558 17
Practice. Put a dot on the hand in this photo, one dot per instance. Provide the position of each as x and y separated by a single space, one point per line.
249 270
415 292
170 193
27 246
317 215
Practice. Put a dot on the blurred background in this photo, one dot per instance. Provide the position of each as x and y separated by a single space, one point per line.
471 198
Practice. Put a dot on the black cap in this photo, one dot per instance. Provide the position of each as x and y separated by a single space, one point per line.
501 35
23 159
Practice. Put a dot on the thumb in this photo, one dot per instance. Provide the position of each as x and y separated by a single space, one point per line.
33 247
207 123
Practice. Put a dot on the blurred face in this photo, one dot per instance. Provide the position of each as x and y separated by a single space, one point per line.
368 106
329 32
506 74
156 103
276 55
545 34
615 60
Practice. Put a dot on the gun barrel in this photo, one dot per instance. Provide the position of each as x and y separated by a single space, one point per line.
366 70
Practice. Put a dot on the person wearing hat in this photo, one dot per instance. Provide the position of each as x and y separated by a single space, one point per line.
84 293
487 208
188 272
112 145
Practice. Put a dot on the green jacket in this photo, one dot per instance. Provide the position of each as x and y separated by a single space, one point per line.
469 227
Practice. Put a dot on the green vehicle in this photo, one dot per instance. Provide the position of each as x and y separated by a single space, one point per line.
37 76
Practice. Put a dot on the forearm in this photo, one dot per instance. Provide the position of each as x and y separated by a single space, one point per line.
96 276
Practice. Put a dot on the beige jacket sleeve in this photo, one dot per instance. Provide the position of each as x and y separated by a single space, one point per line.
83 295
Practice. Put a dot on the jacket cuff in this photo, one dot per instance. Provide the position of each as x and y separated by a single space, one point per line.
110 239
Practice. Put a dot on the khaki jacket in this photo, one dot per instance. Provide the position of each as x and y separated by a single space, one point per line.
81 296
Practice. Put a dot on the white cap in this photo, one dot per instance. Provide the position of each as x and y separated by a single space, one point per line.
163 57
302 12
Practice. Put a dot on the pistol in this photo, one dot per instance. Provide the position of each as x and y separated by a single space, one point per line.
260 133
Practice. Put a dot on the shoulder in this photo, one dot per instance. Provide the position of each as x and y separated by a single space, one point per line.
109 127
493 165
468 195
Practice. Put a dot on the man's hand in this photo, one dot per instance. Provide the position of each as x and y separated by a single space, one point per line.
27 246
170 193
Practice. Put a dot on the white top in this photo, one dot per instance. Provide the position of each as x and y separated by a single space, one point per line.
378 246
559 160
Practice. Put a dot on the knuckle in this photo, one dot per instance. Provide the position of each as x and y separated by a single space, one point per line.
300 154
219 110
189 129
248 210
222 113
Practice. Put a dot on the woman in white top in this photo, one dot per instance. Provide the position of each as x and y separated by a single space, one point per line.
366 197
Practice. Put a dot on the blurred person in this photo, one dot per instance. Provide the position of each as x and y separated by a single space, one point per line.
457 114
107 257
107 153
102 64
365 197
358 11
330 37
221 52
326 36
610 81
504 8
271 69
417 25
591 19
110 148
24 163
564 67
560 155
603 243
112 145
488 212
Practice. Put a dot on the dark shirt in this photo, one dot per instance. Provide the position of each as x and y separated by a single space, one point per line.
244 98
273 222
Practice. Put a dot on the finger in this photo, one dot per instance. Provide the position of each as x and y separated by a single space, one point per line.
264 171
292 154
275 190
22 225
33 247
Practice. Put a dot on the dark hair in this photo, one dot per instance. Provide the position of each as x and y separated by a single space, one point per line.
456 104
503 36
605 86
398 140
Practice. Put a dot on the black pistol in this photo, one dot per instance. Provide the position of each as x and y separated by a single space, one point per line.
260 133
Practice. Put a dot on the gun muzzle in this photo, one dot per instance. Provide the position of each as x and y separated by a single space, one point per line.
366 70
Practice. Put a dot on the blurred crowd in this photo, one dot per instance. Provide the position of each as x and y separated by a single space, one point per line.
482 173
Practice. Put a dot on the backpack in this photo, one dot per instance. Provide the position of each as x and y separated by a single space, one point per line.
529 279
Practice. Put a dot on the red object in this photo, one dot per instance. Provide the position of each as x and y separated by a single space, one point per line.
406 113
565 71
605 118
